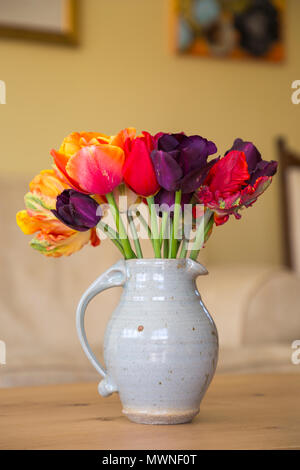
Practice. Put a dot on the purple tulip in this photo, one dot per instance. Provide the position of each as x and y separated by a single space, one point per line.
77 210
180 162
257 167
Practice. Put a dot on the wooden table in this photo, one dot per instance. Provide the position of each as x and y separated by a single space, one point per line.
238 412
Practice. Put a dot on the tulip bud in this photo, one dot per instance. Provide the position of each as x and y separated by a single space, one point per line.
76 210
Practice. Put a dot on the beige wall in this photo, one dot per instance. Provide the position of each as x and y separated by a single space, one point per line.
124 74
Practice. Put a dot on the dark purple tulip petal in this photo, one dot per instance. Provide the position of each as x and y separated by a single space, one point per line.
167 170
206 147
263 169
157 137
194 153
170 142
180 162
67 220
195 179
77 210
62 200
256 166
64 215
167 143
84 210
253 156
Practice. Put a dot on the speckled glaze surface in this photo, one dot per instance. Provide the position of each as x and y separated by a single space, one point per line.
161 344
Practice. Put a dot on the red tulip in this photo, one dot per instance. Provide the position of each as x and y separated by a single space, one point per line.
227 189
138 170
228 175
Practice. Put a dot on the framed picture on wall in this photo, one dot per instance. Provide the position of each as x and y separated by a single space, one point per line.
44 20
235 29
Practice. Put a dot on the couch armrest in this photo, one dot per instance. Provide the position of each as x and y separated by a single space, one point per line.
252 304
273 312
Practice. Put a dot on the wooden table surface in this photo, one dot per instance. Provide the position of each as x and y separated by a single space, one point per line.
238 412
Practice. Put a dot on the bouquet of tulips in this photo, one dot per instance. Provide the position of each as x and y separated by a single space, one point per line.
174 190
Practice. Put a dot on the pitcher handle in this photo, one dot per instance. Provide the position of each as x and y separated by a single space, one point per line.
113 277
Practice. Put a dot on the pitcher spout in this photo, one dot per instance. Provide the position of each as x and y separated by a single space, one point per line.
194 268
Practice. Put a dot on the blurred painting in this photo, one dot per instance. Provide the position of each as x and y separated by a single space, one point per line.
229 28
46 20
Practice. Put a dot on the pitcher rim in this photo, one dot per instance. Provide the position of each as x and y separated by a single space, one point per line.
180 262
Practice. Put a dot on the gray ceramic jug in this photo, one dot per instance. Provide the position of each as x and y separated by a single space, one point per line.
161 344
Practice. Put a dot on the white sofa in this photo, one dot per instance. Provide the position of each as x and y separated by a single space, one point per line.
256 309
257 312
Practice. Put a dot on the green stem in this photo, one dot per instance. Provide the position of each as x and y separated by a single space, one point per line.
203 229
112 235
163 226
166 248
174 241
178 247
171 237
144 223
154 227
128 251
135 236
184 248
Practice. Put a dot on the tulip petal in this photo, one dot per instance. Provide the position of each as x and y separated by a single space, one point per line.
120 139
61 162
76 140
57 245
250 194
194 153
253 156
47 185
170 142
27 224
76 210
95 241
167 170
195 178
220 219
54 238
263 168
44 216
97 169
229 174
138 170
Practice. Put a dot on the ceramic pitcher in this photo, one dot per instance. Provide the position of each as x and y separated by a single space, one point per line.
161 344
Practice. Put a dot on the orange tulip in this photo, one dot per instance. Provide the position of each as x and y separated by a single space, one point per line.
92 163
53 237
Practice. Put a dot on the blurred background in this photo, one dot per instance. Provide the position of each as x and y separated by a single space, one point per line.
123 63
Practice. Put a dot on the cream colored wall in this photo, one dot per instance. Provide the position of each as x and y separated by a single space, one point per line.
124 74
